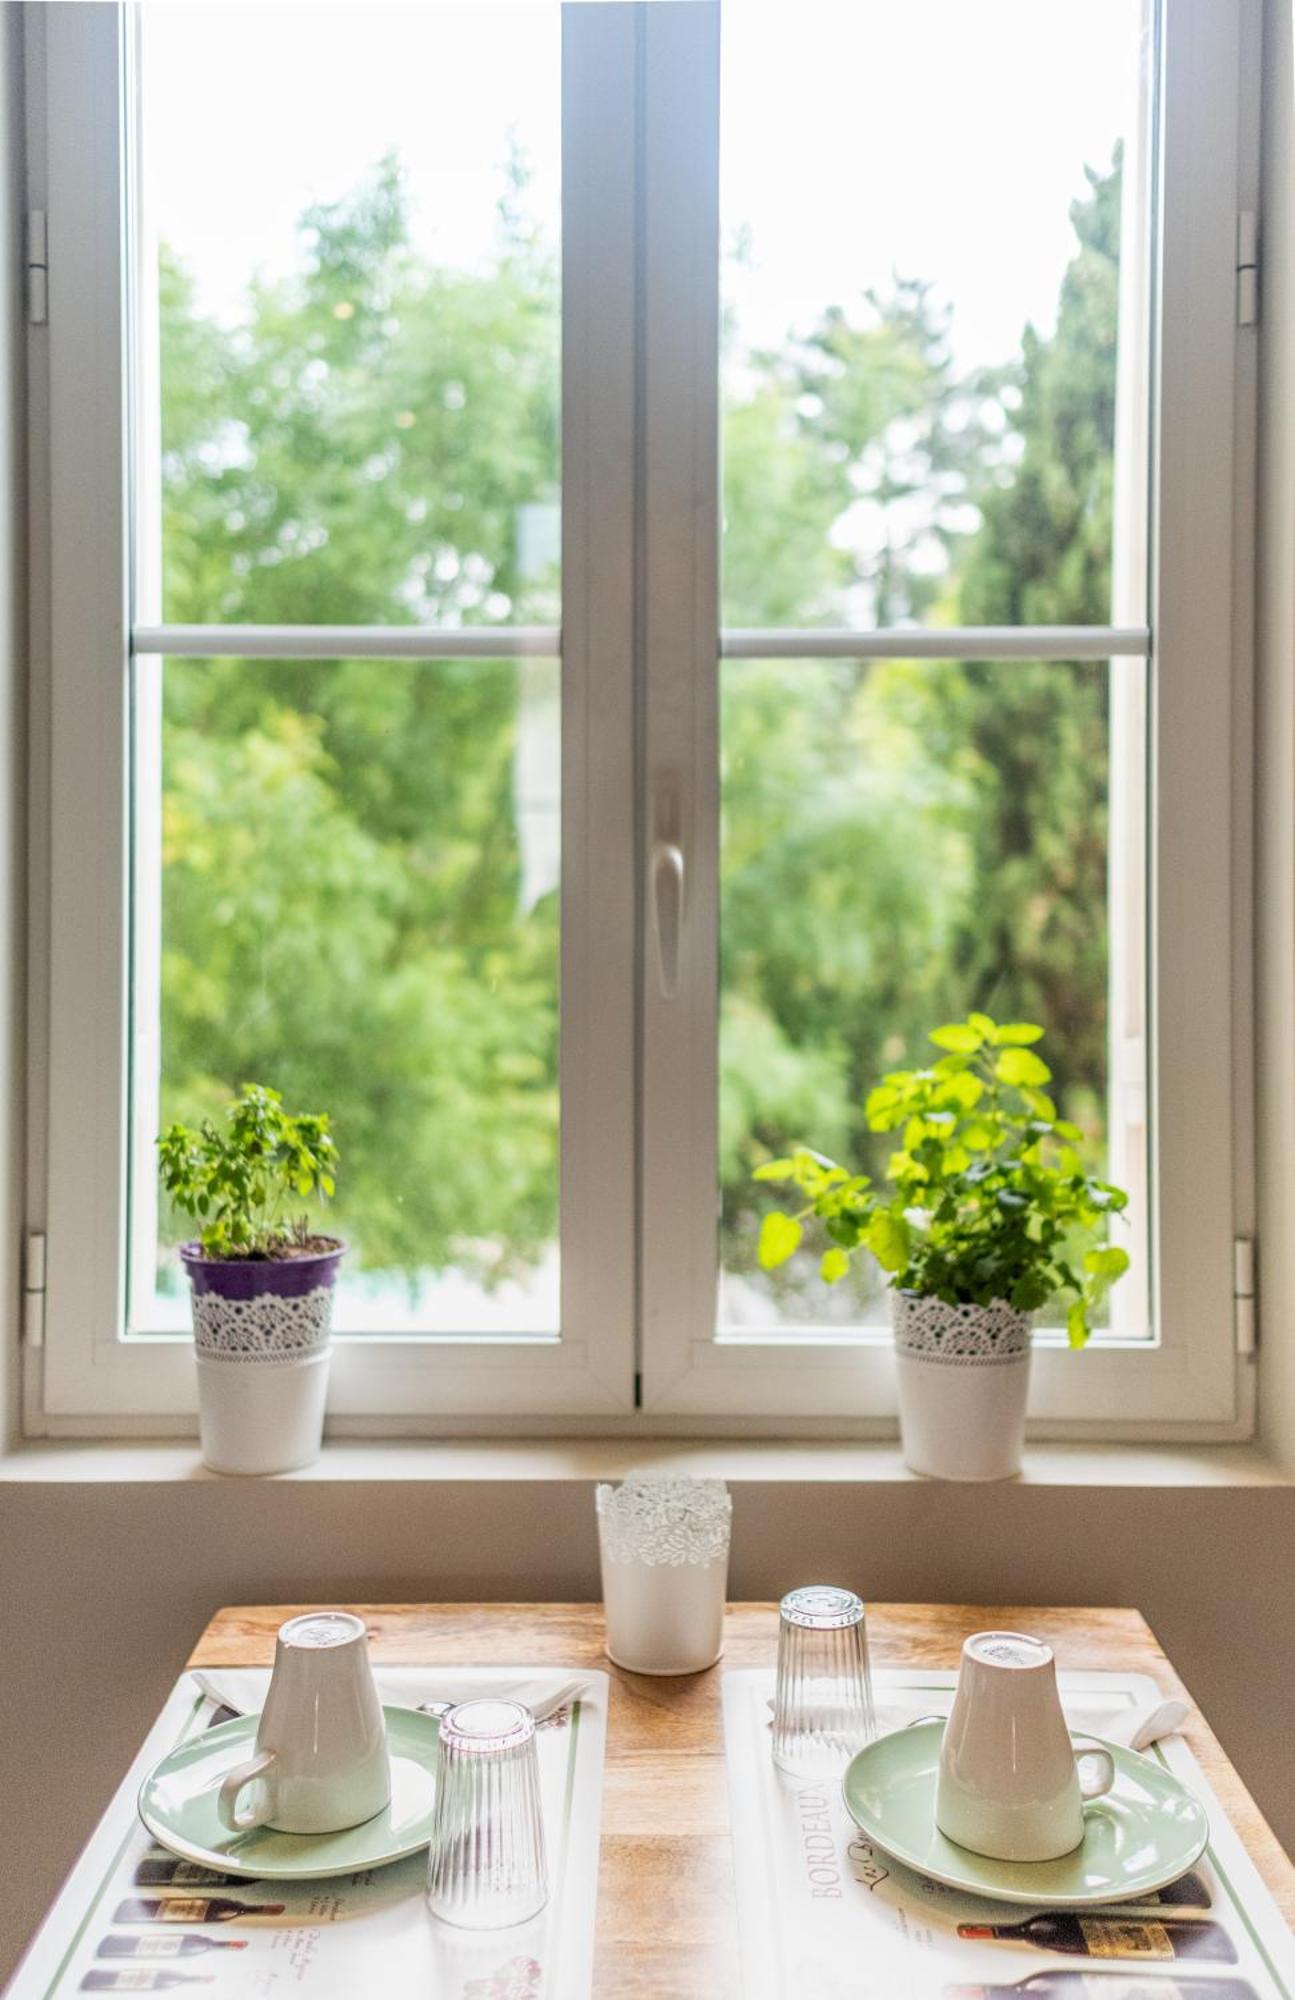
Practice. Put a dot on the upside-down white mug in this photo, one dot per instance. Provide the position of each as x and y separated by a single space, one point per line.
321 1746
1012 1783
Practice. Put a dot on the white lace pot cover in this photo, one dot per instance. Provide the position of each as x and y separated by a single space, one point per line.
963 1378
960 1335
262 1309
665 1520
266 1327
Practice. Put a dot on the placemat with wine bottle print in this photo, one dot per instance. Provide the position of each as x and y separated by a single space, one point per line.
134 1919
823 1912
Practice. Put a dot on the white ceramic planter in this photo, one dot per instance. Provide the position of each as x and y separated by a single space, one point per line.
963 1374
267 1417
261 1335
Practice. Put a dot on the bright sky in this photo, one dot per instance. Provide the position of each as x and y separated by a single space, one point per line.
944 139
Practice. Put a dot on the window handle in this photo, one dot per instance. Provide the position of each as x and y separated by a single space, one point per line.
667 912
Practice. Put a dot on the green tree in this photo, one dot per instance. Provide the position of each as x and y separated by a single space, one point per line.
351 910
909 840
343 868
1038 735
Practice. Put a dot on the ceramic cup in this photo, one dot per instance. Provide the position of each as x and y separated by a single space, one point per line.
321 1748
1012 1784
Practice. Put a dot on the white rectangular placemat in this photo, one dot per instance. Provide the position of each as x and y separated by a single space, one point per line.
356 1935
823 1913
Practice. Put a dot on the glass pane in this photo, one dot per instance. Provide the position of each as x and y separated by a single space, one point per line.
349 313
347 888
935 310
904 842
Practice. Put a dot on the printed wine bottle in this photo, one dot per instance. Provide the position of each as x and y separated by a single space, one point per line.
1188 1891
191 1910
1070 1985
164 1944
1108 1935
135 1979
158 1869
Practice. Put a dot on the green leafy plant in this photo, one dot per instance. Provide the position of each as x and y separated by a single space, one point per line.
989 1197
239 1184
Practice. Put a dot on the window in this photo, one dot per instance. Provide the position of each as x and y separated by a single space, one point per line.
577 627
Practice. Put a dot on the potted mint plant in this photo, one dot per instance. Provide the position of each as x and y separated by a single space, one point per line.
988 1213
261 1281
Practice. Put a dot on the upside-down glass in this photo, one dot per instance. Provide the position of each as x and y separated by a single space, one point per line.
822 1709
487 1867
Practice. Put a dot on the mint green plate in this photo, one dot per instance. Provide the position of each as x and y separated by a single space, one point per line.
1143 1834
177 1803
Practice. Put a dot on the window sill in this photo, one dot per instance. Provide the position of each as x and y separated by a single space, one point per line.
79 1462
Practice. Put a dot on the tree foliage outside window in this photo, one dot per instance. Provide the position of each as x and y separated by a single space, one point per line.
347 900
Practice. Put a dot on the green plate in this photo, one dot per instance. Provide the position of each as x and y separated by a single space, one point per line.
177 1803
1143 1834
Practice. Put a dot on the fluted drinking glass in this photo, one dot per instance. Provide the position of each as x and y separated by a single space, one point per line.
822 1710
487 1866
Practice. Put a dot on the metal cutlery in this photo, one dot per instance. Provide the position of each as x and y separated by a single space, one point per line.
1137 1730
546 1709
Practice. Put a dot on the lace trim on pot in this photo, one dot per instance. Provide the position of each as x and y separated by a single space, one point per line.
266 1328
964 1336
673 1521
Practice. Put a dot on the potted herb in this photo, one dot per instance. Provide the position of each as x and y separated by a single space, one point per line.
989 1214
262 1282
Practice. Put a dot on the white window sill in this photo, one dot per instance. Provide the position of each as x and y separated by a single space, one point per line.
79 1462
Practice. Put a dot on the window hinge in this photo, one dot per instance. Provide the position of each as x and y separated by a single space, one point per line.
1243 1294
33 1289
37 267
1247 268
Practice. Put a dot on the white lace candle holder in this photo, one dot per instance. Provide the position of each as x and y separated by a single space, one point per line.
664 1547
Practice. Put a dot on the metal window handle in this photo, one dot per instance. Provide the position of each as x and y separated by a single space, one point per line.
667 912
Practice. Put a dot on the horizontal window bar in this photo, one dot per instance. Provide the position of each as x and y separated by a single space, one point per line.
346 642
944 642
489 642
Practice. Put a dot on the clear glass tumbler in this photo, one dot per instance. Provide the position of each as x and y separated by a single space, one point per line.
487 1866
822 1708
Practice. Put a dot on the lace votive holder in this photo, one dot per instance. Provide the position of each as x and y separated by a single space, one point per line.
664 1547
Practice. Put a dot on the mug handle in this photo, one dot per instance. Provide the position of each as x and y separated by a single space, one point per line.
1096 1784
235 1780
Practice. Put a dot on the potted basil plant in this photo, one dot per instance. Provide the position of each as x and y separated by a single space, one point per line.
261 1280
987 1214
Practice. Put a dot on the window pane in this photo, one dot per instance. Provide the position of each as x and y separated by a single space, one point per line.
349 313
347 888
934 308
903 842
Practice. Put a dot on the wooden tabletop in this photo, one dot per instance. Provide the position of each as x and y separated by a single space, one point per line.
667 1926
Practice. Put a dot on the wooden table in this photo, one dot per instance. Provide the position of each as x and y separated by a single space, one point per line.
667 1925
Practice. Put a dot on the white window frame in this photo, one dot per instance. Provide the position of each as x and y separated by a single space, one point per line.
640 646
1188 1379
79 54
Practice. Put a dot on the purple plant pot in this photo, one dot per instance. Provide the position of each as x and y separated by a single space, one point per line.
261 1308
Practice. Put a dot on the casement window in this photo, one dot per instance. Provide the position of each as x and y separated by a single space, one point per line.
597 570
